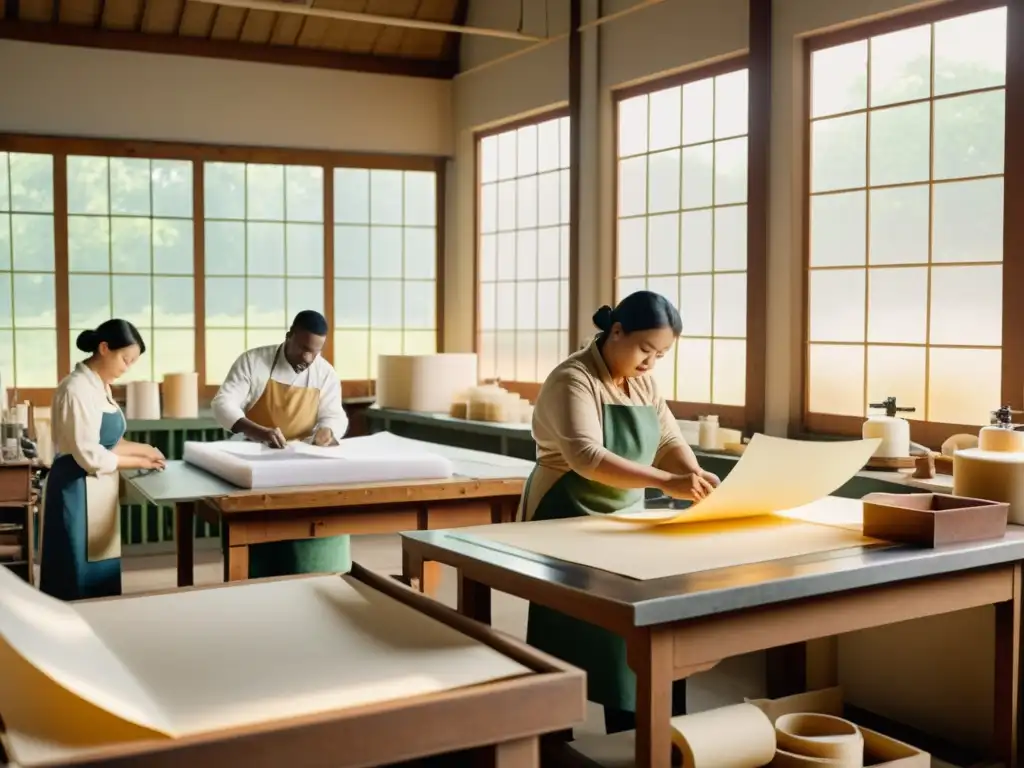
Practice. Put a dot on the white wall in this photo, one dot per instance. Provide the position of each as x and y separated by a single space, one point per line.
121 94
668 37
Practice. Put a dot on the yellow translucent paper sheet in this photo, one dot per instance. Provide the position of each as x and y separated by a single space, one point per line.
774 474
79 677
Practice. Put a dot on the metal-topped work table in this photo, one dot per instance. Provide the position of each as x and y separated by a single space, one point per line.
677 626
485 488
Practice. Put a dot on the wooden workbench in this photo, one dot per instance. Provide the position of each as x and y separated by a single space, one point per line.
484 489
678 626
497 724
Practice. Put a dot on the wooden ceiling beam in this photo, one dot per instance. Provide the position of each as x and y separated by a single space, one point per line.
66 34
453 41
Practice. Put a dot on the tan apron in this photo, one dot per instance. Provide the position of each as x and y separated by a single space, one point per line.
291 409
103 516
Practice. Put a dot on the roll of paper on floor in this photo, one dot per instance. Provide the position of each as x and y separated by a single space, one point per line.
738 736
821 736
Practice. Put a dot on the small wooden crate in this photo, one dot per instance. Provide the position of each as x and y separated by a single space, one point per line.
932 519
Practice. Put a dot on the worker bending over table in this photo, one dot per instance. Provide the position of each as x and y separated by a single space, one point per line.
281 393
603 435
80 548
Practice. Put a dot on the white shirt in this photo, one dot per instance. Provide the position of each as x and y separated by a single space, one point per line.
79 403
248 378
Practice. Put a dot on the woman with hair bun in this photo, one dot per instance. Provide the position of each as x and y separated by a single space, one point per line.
603 435
80 552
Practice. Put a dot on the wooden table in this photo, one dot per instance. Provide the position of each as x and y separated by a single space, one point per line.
678 626
484 489
496 724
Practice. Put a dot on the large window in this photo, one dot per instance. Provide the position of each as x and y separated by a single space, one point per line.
682 226
906 222
130 255
523 250
385 267
28 316
264 255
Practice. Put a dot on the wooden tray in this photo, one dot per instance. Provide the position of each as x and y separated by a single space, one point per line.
891 462
932 519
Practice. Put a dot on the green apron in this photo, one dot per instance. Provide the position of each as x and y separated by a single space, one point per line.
632 432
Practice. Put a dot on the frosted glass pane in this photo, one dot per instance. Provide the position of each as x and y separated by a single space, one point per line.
697 241
563 252
352 355
548 193
420 252
225 302
632 251
963 384
632 186
633 126
838 147
488 306
970 52
32 242
88 299
663 244
88 185
129 186
666 286
729 372
900 151
31 184
304 193
730 305
303 293
968 223
489 257
549 344
172 247
420 198
264 249
526 202
897 372
5 237
506 205
35 303
526 255
419 342
901 66
420 304
505 296
698 176
526 305
549 156
265 303
386 251
969 135
352 303
174 302
526 356
839 79
628 285
506 355
264 192
131 245
173 352
131 298
548 253
507 256
5 199
731 104
563 304
172 188
666 118
486 356
699 111
488 208
899 225
898 305
351 251
88 244
547 305
693 370
967 306
838 228
731 238
383 343
731 171
222 349
664 374
835 379
508 159
695 302
663 181
526 150
36 358
837 305
564 142
351 196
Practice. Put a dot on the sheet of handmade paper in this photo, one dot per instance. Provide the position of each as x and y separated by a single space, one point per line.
654 552
774 474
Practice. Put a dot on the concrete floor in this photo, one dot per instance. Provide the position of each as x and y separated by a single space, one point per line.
728 683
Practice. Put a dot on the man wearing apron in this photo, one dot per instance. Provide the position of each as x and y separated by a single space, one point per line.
277 394
603 435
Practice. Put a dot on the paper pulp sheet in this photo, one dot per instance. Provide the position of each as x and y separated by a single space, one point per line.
78 677
655 552
774 474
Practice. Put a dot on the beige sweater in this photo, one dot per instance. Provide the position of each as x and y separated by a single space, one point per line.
568 420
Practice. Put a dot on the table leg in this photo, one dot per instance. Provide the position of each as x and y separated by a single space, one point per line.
1006 703
522 753
236 563
184 541
412 569
474 599
650 655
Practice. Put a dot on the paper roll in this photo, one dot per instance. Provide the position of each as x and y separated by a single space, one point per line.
181 395
143 400
991 475
820 737
1000 439
740 736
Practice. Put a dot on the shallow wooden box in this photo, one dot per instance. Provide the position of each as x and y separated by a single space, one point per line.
932 519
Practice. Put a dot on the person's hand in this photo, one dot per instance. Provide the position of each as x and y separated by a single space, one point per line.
152 462
711 477
690 486
271 436
324 437
152 452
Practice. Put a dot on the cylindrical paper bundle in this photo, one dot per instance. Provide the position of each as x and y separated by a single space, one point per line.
1001 440
143 400
181 395
992 475
820 737
739 736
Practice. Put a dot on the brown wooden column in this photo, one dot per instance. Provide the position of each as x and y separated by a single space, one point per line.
575 137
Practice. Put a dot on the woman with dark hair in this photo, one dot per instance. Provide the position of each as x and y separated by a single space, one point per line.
603 435
80 552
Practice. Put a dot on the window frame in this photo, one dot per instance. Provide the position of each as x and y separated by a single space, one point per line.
930 433
199 154
749 416
526 389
